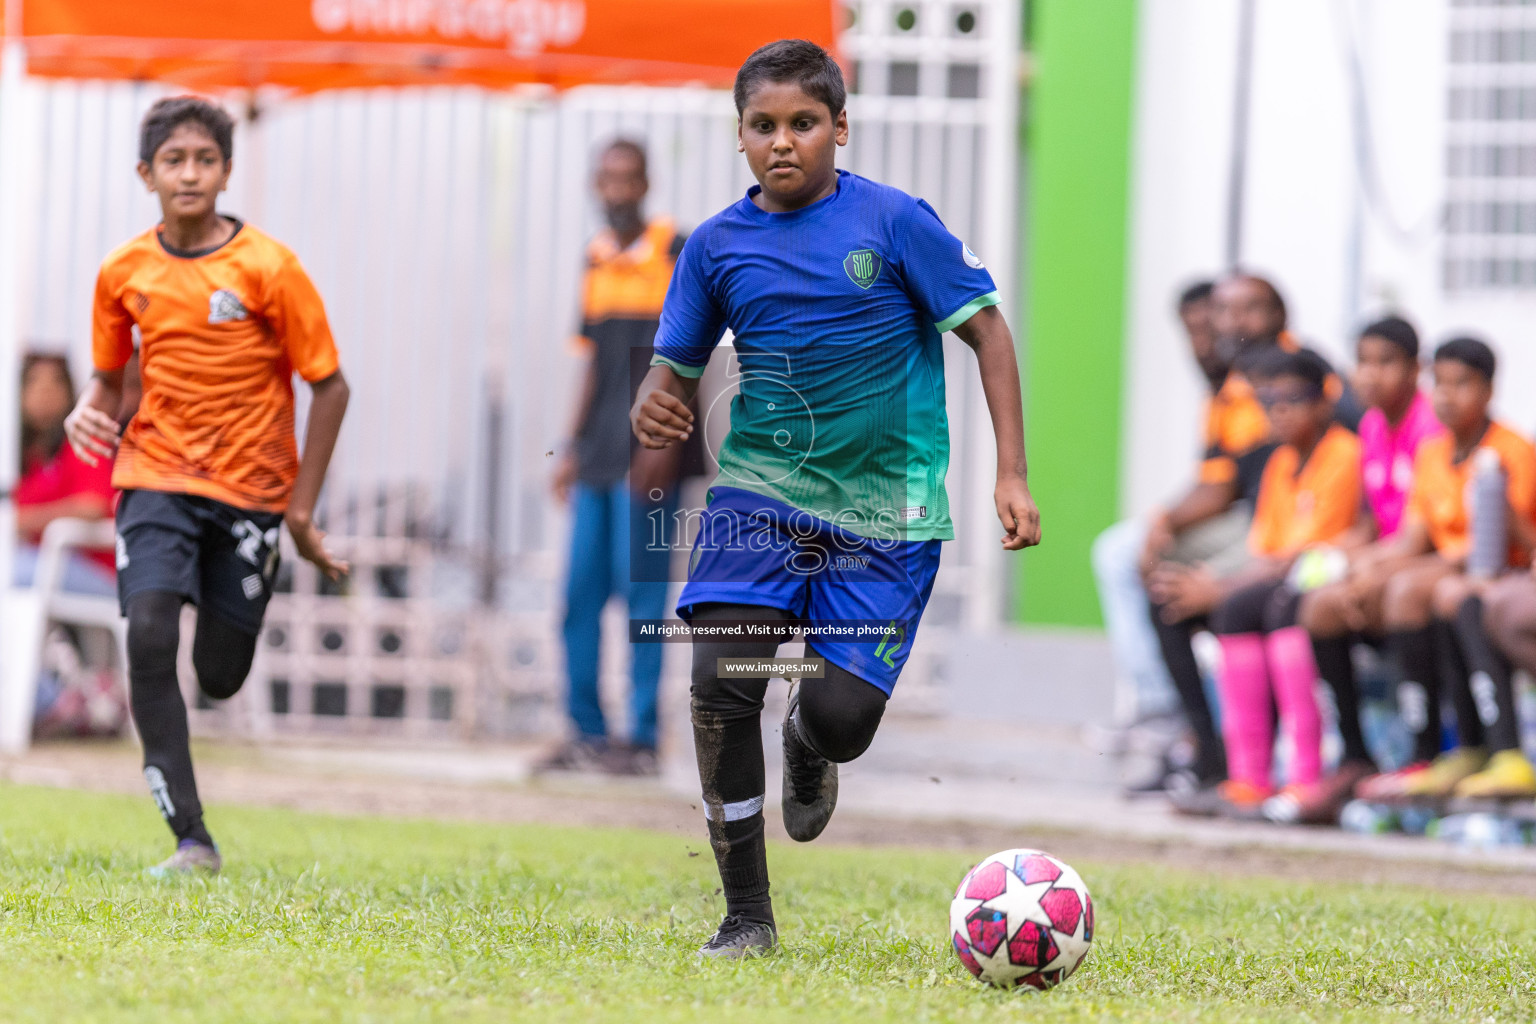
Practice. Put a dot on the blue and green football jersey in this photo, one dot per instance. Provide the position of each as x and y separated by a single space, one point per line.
836 396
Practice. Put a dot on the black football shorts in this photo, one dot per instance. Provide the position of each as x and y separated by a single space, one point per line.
221 558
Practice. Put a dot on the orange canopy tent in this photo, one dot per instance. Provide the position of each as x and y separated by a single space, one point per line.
329 44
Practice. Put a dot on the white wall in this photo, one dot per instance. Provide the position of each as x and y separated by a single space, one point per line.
445 230
1305 214
1178 167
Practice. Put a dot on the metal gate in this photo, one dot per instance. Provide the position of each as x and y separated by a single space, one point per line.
445 229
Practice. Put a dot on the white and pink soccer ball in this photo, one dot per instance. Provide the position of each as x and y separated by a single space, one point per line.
1021 917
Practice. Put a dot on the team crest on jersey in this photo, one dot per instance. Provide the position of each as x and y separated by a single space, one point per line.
224 306
971 259
862 267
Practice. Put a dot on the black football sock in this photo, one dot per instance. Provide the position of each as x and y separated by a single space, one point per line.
1491 681
1179 655
1456 683
222 653
1412 652
159 712
728 741
1336 665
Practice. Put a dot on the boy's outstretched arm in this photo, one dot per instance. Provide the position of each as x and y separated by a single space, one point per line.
91 427
660 415
326 410
988 335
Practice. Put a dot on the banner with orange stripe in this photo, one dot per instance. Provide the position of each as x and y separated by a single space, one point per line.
329 44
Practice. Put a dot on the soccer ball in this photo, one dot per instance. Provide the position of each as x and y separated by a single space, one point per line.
1021 917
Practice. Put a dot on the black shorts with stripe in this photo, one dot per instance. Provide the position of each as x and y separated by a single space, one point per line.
221 558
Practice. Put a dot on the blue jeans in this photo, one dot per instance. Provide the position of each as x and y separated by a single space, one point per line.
619 547
82 575
1142 686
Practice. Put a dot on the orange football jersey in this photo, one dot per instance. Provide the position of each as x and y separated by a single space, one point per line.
1301 505
221 333
1438 498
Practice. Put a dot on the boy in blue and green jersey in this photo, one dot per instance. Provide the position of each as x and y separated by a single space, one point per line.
829 508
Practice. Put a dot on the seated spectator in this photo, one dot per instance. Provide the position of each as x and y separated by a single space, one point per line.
1418 580
1310 495
1143 690
1400 418
1480 681
1509 616
1209 525
54 482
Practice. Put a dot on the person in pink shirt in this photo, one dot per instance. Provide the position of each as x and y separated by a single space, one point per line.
1339 614
1390 431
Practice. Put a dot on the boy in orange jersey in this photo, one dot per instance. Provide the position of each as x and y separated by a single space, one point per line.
1309 496
1432 609
1487 761
209 466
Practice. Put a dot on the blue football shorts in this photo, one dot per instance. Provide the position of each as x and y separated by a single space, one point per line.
859 598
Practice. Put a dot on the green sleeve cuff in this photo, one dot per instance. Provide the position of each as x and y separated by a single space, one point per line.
681 369
967 311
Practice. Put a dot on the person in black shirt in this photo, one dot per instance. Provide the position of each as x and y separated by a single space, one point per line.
622 496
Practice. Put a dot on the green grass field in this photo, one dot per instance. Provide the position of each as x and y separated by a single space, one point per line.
326 918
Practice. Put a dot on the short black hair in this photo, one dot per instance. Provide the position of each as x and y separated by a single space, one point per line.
1469 351
1397 331
633 148
800 61
1275 298
1200 291
1303 364
174 111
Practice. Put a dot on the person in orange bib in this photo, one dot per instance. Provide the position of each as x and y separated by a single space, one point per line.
1431 609
1208 525
209 467
1487 761
1310 495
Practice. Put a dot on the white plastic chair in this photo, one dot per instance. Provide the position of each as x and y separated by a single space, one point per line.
27 614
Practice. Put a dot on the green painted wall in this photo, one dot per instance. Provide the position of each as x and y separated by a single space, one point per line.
1078 143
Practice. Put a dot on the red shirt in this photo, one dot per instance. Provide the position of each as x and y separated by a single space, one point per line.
65 476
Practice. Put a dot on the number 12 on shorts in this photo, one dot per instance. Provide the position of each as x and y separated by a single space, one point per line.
895 632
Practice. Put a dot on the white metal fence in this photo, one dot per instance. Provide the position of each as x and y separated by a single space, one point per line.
1490 159
445 229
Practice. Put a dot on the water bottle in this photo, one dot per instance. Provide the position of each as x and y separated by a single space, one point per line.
1487 508
1415 821
1386 735
1480 830
1367 818
1525 712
